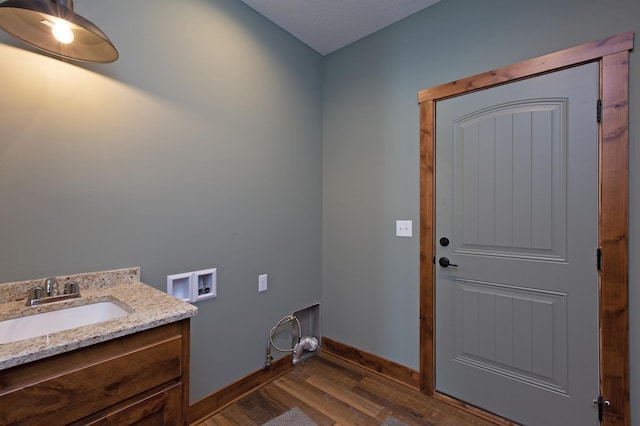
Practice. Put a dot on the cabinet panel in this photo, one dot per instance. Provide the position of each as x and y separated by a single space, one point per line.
37 371
162 408
93 380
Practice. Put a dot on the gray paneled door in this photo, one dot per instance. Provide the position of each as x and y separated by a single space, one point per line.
517 200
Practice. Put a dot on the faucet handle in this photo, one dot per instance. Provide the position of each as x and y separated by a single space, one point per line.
37 292
34 296
71 287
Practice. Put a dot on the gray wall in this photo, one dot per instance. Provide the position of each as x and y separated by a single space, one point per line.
213 142
200 147
371 151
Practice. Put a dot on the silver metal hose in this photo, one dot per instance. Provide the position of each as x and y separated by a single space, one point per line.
307 343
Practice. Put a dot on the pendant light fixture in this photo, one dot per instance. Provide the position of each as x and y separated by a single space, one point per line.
53 26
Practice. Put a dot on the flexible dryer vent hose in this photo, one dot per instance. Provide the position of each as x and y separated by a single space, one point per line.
307 343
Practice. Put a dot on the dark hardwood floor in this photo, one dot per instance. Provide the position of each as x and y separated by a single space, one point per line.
332 391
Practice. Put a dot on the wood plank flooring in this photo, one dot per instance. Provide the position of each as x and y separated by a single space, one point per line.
334 392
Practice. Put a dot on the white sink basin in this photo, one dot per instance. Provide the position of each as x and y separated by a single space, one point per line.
45 323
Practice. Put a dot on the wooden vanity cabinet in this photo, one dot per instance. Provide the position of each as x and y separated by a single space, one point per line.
140 379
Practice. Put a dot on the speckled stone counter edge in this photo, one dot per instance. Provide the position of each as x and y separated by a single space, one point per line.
148 308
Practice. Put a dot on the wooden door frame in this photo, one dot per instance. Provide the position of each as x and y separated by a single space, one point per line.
613 178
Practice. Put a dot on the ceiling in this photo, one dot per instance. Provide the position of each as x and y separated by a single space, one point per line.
328 25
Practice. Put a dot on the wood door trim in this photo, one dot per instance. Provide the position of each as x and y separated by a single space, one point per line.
588 52
613 56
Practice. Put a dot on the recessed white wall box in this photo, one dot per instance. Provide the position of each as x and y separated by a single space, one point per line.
262 283
404 228
179 286
193 286
204 284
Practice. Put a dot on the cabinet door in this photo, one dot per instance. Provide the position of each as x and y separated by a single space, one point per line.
161 408
48 393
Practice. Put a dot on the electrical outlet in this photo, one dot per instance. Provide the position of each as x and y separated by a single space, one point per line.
404 228
262 283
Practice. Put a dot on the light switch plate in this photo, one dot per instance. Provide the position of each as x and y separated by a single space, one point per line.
404 228
262 283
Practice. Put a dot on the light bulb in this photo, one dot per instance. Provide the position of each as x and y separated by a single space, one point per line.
62 32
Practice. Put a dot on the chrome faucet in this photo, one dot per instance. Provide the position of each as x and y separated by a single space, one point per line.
50 292
51 287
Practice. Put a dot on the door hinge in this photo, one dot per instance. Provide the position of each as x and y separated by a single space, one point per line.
599 110
599 259
601 403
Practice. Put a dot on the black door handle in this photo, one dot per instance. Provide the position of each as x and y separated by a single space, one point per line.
444 262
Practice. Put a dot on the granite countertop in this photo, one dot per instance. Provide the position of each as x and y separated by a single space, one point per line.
148 308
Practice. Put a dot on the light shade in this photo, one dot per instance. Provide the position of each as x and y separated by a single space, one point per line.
32 20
